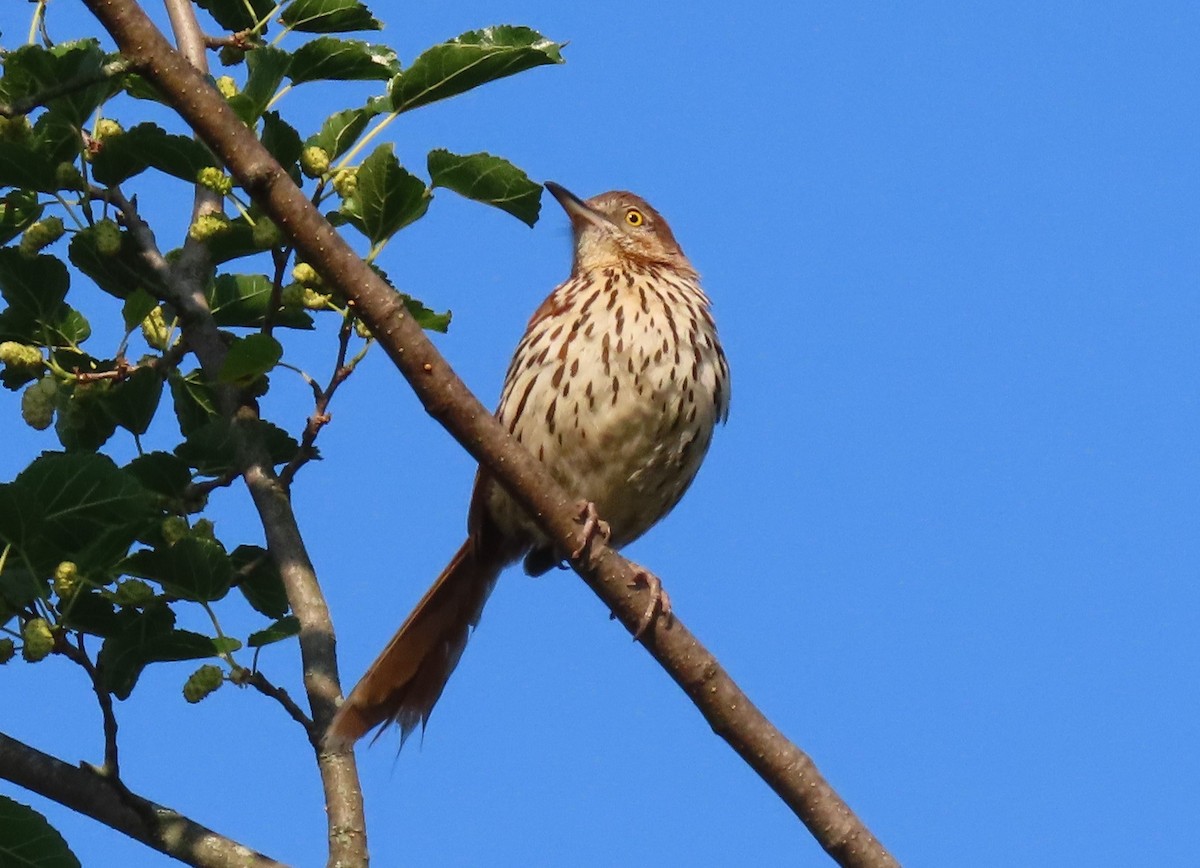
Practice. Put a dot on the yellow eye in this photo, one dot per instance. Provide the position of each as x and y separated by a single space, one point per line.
634 217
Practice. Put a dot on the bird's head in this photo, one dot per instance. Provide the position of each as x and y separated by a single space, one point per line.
616 227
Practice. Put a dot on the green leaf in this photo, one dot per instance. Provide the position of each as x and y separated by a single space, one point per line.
331 59
194 568
34 286
387 197
281 139
249 358
134 401
149 145
237 15
161 473
267 66
329 16
426 318
491 180
31 69
119 273
18 210
195 405
341 130
475 58
19 587
212 449
260 583
282 629
143 638
138 305
89 612
72 507
244 299
27 840
26 165
84 420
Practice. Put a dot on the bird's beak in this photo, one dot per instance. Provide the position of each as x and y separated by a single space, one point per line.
580 212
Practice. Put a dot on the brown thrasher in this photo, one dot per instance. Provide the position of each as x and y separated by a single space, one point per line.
616 387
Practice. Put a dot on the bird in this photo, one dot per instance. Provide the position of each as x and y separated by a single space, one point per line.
616 387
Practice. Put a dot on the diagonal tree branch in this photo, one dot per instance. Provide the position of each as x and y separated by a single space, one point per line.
788 770
94 796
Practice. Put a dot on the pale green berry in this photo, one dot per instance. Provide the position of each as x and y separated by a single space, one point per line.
314 300
202 682
226 86
107 236
38 640
208 226
37 408
7 650
106 128
68 177
214 179
346 182
66 580
305 275
41 234
17 355
314 161
360 329
155 329
266 234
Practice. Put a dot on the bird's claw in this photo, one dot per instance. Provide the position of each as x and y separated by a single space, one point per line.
593 527
658 600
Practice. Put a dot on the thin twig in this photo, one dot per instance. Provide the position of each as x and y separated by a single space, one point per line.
78 654
259 682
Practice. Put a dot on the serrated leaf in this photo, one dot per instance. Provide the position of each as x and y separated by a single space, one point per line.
235 15
244 299
282 629
249 358
143 638
472 59
281 139
193 568
194 403
387 197
36 286
32 69
134 401
161 473
78 507
212 448
83 420
259 581
329 16
138 305
341 130
119 273
331 59
27 165
266 68
18 210
27 840
488 179
148 145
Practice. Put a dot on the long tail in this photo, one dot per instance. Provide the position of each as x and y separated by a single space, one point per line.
406 680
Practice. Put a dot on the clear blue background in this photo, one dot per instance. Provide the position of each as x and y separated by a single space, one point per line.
948 541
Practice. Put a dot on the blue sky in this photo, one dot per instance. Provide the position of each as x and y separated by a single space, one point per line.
947 541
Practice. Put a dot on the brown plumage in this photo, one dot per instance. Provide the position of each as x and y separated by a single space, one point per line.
616 386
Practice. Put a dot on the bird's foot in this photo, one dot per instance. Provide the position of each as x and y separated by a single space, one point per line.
593 527
659 601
